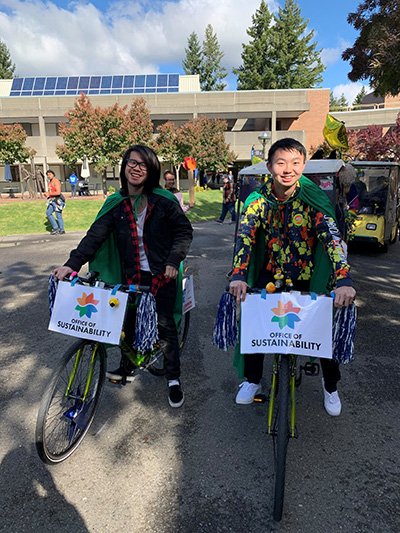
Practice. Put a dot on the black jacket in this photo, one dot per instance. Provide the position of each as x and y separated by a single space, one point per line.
167 236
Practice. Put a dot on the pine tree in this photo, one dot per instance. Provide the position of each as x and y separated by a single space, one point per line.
359 97
193 60
7 67
297 63
256 70
212 73
335 103
280 56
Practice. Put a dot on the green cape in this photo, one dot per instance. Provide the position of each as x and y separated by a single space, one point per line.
312 195
107 260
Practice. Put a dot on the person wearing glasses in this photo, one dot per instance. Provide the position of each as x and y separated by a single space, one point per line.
152 237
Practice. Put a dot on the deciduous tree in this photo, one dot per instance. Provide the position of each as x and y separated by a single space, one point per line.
375 55
12 145
204 139
102 135
170 145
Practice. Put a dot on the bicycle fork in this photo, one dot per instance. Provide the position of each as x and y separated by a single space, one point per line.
89 378
273 393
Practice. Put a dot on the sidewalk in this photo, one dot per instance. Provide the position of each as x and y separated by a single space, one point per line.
37 237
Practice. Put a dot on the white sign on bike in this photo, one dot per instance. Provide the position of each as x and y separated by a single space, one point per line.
85 312
188 294
287 323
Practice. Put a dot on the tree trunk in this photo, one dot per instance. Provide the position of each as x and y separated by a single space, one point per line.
191 186
104 180
177 169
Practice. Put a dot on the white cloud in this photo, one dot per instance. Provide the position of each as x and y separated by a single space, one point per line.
350 91
330 56
131 37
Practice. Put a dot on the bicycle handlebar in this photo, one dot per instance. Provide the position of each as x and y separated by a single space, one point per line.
93 280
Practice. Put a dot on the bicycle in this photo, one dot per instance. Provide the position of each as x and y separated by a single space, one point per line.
71 399
282 413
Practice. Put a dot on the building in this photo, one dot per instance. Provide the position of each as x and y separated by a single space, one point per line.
39 105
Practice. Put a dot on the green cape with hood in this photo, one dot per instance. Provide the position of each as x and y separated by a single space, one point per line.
312 195
107 260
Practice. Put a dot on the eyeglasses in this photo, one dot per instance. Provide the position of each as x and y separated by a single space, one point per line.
132 163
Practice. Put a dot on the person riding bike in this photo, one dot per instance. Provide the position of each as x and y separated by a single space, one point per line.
151 237
288 229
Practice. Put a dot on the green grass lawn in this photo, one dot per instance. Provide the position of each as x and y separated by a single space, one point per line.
30 216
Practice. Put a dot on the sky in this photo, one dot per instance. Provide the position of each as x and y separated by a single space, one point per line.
99 37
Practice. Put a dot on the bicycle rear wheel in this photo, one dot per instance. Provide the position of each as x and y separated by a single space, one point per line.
70 401
281 437
156 366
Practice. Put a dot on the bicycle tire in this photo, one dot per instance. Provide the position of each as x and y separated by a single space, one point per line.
63 418
282 437
157 367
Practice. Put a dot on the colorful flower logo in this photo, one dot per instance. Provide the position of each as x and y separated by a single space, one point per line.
285 314
86 305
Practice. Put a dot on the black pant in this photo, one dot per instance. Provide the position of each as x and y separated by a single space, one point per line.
165 305
253 370
253 363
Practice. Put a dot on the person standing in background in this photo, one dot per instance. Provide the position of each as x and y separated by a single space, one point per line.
73 181
55 204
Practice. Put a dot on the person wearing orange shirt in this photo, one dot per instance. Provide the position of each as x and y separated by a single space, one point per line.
55 204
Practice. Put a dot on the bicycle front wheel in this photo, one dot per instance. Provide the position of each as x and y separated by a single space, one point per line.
70 401
156 365
281 438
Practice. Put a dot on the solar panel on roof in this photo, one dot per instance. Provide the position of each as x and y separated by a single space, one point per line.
95 82
50 84
17 84
28 84
106 82
151 80
73 85
173 80
117 82
39 84
140 81
162 80
73 82
83 82
62 83
128 81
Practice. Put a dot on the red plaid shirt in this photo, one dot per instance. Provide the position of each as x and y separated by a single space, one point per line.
157 281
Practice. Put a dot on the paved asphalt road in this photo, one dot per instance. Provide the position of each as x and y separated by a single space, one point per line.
206 467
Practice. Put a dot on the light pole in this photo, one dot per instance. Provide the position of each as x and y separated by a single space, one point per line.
263 138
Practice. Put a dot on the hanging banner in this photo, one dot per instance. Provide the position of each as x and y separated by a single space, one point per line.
288 323
85 312
188 294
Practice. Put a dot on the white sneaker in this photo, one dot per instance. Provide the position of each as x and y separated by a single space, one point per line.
246 393
332 402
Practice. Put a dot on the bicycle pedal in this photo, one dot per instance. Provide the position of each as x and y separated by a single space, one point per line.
310 369
260 398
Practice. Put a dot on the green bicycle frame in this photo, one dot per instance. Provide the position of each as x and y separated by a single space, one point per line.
90 374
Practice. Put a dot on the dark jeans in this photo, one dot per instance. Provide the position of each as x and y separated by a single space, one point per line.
230 206
253 363
165 304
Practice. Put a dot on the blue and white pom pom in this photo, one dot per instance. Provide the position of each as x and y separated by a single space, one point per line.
226 329
146 323
53 284
344 332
